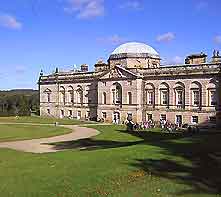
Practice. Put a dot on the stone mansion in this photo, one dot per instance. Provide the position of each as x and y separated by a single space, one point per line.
133 82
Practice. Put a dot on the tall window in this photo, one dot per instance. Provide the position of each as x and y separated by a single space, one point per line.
113 96
196 97
213 101
150 97
104 98
49 97
117 93
62 95
129 98
80 96
71 95
196 93
165 97
179 97
164 94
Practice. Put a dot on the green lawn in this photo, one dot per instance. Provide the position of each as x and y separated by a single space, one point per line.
116 163
41 120
21 132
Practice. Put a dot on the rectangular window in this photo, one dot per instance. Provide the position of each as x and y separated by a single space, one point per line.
195 119
212 98
104 115
149 117
49 97
113 94
196 98
70 113
88 114
79 115
62 113
163 117
165 97
48 111
129 98
150 97
179 97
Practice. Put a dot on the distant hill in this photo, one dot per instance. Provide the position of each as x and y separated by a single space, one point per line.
19 102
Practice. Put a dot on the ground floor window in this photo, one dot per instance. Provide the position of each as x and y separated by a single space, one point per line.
163 117
195 119
70 112
62 113
149 116
104 115
48 111
179 120
129 116
79 115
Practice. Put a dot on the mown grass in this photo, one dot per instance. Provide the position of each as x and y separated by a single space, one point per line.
117 163
41 120
10 132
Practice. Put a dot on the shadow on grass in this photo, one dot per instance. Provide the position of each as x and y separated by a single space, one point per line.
200 164
92 144
190 159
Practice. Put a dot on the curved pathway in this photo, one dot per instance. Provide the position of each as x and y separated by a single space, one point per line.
41 145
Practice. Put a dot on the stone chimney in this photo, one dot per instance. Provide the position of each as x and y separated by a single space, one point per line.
216 57
101 66
84 68
196 58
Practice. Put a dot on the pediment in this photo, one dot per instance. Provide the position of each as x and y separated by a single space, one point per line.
118 73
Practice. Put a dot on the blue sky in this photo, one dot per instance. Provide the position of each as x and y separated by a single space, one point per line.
44 34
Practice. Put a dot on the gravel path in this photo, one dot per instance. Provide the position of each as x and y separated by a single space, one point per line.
41 145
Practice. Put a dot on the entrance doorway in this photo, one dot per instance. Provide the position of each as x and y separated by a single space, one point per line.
179 120
116 118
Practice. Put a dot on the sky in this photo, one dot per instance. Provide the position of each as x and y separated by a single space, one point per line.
45 34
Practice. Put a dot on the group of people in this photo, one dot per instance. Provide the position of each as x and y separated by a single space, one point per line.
139 126
168 126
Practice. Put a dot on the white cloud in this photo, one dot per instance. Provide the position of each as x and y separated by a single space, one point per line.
10 22
217 39
167 37
113 40
85 9
134 5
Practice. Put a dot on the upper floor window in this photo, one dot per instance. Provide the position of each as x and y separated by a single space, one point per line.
164 94
196 93
104 98
165 97
117 93
129 98
62 94
79 96
149 93
71 94
213 101
48 95
179 95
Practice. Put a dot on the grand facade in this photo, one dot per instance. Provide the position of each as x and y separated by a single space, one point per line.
133 82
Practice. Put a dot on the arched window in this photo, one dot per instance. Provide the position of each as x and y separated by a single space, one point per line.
62 94
196 94
48 95
117 93
179 90
150 94
71 94
129 98
104 99
79 95
212 94
164 94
